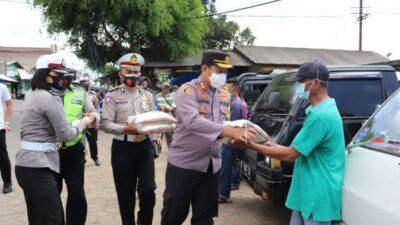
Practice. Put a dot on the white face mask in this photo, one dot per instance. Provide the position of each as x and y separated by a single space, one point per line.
218 80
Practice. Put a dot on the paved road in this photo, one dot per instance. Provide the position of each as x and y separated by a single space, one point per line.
246 208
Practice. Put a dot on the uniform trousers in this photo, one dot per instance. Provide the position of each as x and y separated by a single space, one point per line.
133 167
42 199
5 165
72 170
92 140
187 187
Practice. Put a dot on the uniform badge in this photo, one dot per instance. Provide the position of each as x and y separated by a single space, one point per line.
224 109
133 60
145 106
227 59
188 91
204 108
203 95
107 99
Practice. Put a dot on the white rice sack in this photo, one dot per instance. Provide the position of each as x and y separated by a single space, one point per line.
152 117
261 135
157 128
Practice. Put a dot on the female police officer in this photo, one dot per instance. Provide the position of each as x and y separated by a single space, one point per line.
43 124
132 156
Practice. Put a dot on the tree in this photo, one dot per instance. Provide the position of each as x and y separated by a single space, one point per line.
103 30
223 34
244 37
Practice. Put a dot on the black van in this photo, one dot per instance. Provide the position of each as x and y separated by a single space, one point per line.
357 91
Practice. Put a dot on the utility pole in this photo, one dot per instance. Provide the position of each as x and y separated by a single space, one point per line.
361 15
360 18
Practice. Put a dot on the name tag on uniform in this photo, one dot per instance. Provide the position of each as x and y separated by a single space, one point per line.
224 104
204 108
204 101
77 99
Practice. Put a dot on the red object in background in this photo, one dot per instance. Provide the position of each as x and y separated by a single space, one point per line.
378 140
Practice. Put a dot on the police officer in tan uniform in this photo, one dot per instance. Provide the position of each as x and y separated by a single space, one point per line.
132 156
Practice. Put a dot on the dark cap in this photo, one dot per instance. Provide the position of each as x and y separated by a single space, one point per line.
218 58
311 70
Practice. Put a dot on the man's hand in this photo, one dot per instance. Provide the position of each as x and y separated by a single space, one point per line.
244 134
158 141
87 121
91 116
238 144
131 129
7 127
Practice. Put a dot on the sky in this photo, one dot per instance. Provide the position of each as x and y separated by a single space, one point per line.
287 23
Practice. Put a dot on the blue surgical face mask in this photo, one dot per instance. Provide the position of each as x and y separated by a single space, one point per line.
300 89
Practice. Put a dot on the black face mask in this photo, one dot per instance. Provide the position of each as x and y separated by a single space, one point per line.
130 81
59 82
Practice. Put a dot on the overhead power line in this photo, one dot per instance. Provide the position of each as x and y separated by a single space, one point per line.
290 16
240 9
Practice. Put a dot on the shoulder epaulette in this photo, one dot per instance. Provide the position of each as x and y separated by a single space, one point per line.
114 89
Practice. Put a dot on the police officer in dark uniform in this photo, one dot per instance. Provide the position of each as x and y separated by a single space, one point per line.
194 158
132 156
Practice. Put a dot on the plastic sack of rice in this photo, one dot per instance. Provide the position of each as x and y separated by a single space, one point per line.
261 135
153 122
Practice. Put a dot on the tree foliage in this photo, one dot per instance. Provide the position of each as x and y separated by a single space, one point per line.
103 30
162 29
221 33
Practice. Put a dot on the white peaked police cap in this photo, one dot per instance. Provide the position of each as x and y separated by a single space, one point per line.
131 61
52 62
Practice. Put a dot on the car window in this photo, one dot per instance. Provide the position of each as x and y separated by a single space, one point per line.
278 97
356 97
252 92
382 130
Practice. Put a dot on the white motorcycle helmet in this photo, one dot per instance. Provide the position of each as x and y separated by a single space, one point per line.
72 63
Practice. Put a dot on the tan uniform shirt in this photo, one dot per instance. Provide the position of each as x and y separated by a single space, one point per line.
119 104
43 121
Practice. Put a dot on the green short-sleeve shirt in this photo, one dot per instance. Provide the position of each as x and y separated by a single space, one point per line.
168 100
316 187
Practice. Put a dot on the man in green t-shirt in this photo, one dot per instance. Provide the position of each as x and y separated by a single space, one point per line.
166 103
315 195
